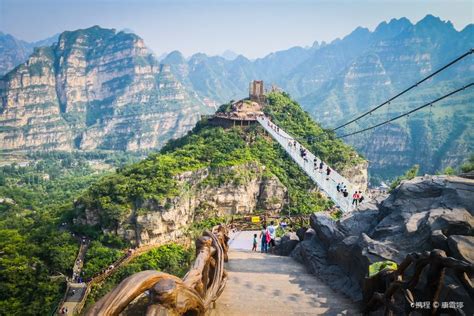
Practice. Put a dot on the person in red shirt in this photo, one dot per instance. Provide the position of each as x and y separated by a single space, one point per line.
355 198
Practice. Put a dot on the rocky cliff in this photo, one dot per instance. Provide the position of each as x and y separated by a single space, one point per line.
200 198
426 213
357 175
94 88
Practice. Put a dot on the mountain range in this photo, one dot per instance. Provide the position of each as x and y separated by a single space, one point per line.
337 81
14 51
333 81
93 89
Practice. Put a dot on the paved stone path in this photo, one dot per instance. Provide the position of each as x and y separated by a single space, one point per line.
263 284
71 300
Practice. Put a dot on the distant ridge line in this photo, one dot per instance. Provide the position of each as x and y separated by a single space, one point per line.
409 112
407 89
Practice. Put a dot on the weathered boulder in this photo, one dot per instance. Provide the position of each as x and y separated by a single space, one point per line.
313 254
309 234
287 243
462 247
439 240
426 213
361 221
300 232
325 228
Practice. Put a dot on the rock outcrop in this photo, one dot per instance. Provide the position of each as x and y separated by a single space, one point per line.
93 89
431 212
357 175
201 197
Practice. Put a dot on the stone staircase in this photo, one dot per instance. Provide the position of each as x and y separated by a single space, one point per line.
265 284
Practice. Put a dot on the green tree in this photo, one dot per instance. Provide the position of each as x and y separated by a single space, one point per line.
468 166
409 174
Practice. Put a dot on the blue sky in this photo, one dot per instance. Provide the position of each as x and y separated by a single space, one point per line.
251 27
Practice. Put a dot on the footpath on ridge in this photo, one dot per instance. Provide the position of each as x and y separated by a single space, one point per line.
327 184
265 284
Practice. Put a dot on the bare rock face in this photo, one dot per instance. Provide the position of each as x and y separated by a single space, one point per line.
357 175
426 213
325 228
462 247
94 88
200 198
287 243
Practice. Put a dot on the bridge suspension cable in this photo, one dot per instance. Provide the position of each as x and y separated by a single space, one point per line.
408 89
409 112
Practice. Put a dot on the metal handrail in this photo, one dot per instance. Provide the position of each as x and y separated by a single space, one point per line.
327 184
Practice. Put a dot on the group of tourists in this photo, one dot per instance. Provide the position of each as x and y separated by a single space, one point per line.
267 238
78 277
273 127
319 166
342 188
304 153
357 198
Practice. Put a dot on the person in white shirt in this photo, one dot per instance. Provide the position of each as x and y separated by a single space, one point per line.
272 231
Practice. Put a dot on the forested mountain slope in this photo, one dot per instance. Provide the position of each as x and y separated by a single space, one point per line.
213 171
116 96
209 173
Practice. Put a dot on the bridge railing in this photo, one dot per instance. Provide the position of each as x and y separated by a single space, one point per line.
192 295
103 275
327 184
247 222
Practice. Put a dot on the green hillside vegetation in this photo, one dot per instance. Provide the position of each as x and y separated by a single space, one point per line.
172 258
36 250
435 137
468 166
214 147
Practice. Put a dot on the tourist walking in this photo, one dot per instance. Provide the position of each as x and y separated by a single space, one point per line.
254 246
305 158
361 197
272 231
338 187
321 166
263 236
328 172
344 192
355 198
